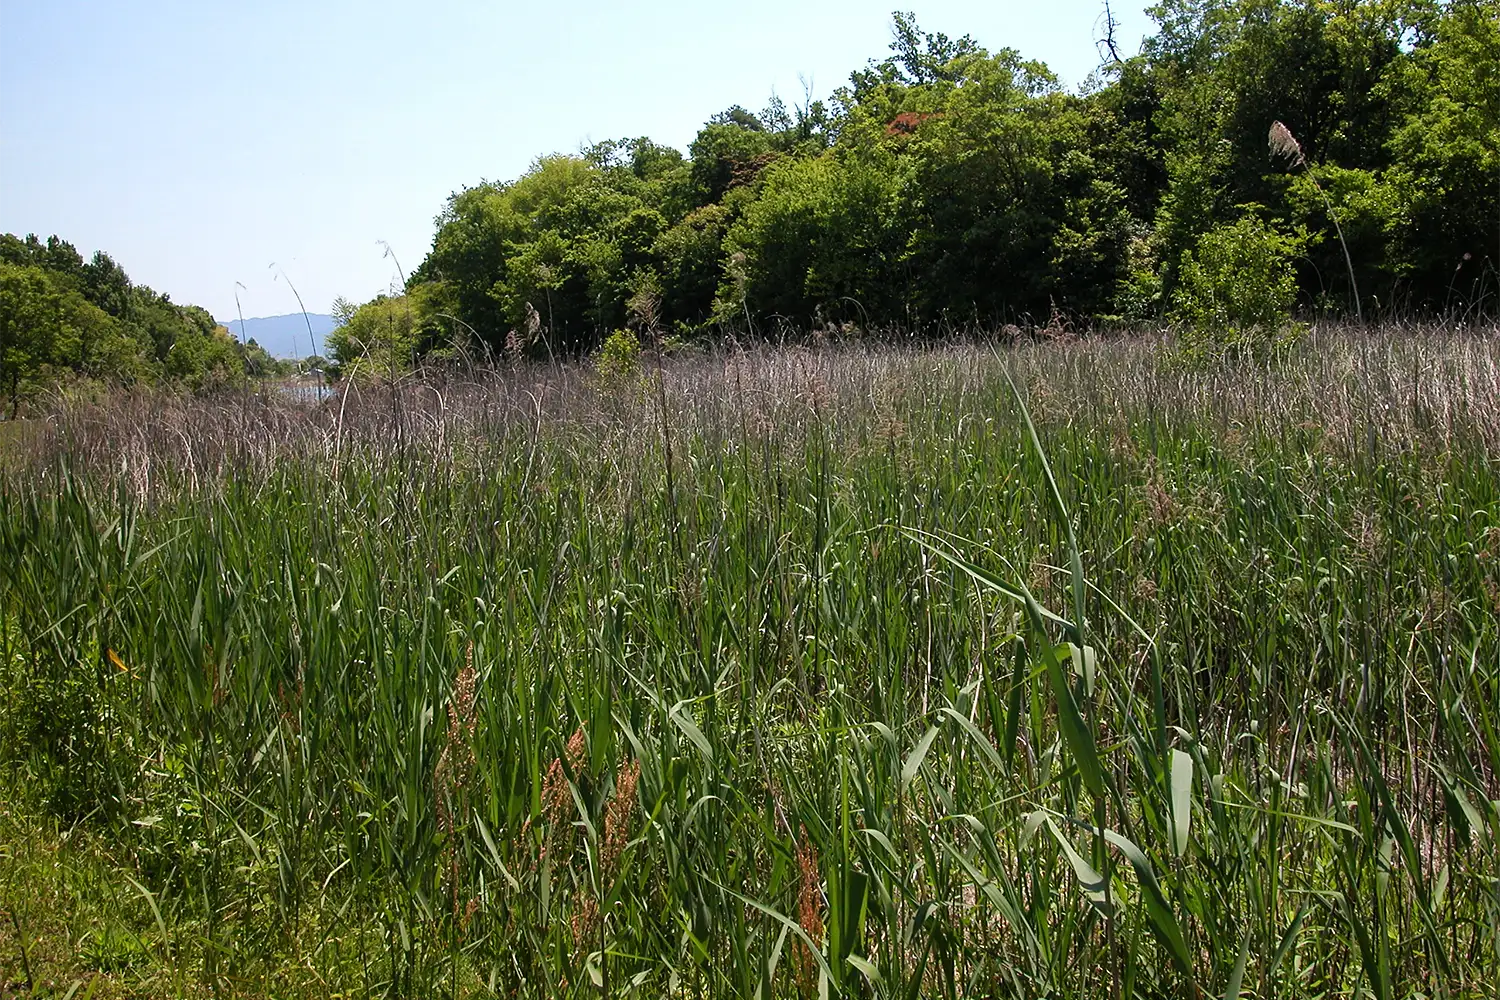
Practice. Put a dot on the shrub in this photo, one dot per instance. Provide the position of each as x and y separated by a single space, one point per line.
619 357
1236 288
57 727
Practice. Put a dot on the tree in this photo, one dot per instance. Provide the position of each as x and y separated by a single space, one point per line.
918 57
826 234
692 264
106 285
205 360
31 320
377 340
925 57
1446 159
727 154
258 362
950 181
71 319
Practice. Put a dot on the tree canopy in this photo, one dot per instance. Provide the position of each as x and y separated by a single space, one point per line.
63 317
948 183
945 184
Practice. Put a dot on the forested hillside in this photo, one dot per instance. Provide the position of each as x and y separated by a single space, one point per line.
62 317
949 183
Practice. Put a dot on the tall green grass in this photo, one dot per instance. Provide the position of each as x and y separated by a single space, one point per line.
1164 683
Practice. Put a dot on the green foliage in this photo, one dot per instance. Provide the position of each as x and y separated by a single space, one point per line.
1138 296
259 363
728 154
692 262
1370 214
619 357
377 340
1236 288
951 183
56 727
205 356
1446 157
560 244
825 233
31 323
62 319
1171 683
996 177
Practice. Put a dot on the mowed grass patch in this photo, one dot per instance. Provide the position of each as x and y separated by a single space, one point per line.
1177 682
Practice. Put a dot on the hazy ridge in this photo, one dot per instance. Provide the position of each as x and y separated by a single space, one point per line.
284 336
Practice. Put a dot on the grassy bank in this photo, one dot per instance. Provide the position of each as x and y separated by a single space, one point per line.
788 671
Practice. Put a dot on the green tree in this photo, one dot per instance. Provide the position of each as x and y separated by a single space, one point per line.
258 362
1008 205
729 152
77 319
378 340
31 321
692 263
946 180
202 361
826 235
546 242
106 285
1446 159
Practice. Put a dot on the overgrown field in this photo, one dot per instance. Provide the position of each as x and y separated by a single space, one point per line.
779 673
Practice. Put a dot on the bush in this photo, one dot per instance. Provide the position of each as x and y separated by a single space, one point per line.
57 729
1236 288
619 357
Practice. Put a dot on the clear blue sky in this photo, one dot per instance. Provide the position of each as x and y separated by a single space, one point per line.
199 142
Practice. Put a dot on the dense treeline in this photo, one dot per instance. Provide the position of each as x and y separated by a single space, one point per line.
949 184
62 317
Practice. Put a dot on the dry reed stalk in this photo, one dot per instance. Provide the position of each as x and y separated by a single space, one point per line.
1344 384
1285 146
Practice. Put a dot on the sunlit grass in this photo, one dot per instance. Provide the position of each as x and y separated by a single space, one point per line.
442 691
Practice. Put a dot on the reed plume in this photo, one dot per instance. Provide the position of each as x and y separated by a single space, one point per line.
1284 146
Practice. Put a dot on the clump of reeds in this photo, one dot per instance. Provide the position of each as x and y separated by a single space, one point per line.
453 774
1184 684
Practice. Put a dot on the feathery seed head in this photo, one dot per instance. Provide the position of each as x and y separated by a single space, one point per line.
1285 146
617 817
809 911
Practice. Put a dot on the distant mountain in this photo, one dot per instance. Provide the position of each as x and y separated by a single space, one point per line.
285 336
